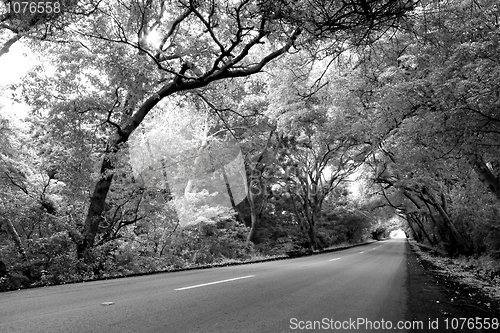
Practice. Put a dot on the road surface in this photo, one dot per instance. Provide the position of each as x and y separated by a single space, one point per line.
348 290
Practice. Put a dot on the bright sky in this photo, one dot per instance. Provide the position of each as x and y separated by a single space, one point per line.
399 233
13 66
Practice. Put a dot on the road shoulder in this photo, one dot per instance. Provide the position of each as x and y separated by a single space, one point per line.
433 297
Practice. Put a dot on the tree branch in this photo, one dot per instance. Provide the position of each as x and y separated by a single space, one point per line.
7 45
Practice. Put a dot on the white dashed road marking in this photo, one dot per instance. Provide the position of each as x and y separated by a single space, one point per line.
215 282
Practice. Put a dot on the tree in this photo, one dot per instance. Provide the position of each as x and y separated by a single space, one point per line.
232 49
39 20
148 51
428 90
239 107
11 180
323 141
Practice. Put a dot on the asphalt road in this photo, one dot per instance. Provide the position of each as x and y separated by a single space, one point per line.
346 290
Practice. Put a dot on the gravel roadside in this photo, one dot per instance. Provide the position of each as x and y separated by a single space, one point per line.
440 302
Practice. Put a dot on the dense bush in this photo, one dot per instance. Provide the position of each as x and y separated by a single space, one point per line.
475 212
52 260
345 226
207 243
47 261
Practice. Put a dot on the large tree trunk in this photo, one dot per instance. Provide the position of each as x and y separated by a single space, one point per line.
239 216
312 235
485 175
455 236
253 219
415 235
96 209
313 217
443 236
254 212
420 222
15 237
255 215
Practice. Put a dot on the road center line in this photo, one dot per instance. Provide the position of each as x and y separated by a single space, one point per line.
215 282
334 259
362 252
